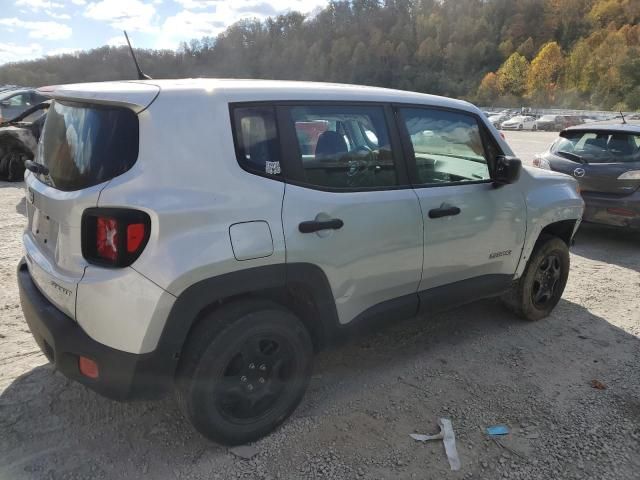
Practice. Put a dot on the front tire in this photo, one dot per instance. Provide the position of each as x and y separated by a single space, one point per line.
540 288
244 370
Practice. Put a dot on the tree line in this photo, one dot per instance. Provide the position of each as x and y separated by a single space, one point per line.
563 53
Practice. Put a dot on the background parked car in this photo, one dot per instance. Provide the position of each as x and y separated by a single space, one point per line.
552 123
520 122
498 118
605 159
18 140
572 120
14 102
4 88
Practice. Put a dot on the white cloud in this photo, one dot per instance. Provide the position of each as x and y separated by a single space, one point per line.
133 15
10 52
61 51
79 2
38 4
190 25
59 16
193 22
45 30
196 4
117 41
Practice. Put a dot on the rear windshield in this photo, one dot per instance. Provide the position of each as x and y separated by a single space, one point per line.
84 145
598 147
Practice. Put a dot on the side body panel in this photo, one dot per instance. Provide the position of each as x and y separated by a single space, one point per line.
485 238
550 197
188 180
375 256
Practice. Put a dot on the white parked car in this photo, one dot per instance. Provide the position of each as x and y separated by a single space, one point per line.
520 122
207 236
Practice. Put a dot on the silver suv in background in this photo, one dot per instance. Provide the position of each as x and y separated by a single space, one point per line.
205 237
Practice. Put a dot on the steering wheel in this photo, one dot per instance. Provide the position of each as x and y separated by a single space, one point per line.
361 159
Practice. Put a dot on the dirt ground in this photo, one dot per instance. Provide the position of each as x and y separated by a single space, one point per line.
476 365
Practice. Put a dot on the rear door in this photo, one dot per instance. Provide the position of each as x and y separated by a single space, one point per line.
348 207
83 146
473 231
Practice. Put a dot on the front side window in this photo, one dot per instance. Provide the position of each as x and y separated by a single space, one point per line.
257 139
344 146
447 146
598 146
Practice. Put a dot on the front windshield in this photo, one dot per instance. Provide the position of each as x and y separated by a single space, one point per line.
598 147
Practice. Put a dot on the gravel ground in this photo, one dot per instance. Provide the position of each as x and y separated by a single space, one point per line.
477 365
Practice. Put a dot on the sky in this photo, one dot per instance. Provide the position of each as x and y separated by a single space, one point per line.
34 28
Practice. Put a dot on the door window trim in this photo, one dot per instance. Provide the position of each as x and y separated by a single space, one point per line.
290 159
409 154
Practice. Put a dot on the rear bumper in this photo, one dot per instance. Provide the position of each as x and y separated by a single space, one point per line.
122 375
612 210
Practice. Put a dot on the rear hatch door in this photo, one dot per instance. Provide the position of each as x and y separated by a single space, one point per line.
599 177
89 137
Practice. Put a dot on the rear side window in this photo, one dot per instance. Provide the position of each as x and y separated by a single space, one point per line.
84 145
344 146
256 139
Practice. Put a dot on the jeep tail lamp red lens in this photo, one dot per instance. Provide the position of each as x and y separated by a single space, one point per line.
107 238
114 237
135 236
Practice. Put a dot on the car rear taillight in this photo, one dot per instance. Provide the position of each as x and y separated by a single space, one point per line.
114 237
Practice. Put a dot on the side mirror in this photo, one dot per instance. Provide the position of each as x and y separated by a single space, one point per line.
507 170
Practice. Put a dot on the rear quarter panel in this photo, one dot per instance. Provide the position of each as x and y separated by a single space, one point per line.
188 180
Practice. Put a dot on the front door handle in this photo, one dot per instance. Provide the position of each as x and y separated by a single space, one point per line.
316 226
443 211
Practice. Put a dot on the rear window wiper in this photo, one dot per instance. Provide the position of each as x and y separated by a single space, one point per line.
571 156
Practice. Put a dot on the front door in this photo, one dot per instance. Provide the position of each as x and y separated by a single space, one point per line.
349 208
473 231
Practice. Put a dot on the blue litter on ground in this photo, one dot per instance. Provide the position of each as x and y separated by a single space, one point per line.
496 430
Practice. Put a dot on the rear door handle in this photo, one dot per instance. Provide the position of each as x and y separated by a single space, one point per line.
444 211
316 226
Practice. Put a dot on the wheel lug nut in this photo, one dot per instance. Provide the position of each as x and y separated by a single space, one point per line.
252 366
250 387
261 380
243 378
262 367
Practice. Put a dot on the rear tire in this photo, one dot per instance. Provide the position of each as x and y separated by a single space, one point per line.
12 165
540 288
243 371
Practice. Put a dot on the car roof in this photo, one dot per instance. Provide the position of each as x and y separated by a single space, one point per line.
606 126
250 90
